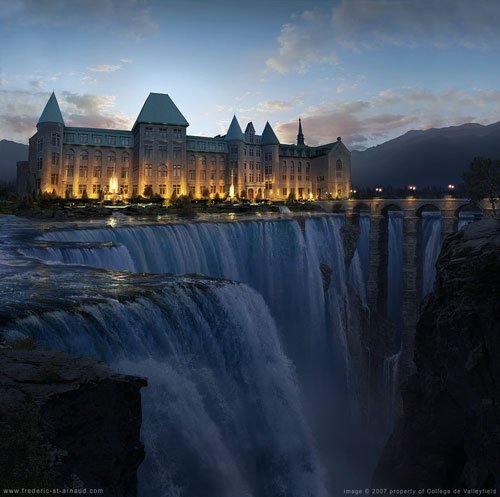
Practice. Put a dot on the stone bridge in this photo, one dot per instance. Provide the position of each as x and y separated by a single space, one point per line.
412 209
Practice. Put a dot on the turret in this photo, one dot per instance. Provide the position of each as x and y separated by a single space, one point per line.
48 144
235 144
270 152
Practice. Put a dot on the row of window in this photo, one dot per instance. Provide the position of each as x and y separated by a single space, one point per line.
84 156
98 139
292 177
97 173
149 132
206 145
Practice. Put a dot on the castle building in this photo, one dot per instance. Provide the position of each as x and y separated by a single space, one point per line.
158 157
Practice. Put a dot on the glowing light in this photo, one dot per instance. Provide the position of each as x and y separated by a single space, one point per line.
412 188
451 187
113 185
231 188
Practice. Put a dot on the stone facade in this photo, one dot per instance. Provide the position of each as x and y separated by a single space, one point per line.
157 156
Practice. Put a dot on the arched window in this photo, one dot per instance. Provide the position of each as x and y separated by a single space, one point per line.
192 161
148 168
98 158
283 167
212 160
125 158
299 168
70 156
84 155
203 160
339 165
292 167
162 171
111 158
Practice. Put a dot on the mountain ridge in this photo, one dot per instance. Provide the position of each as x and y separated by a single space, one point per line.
436 156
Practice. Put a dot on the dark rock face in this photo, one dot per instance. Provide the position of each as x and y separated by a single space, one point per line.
449 434
68 422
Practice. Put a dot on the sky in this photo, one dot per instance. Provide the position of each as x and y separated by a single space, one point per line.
365 70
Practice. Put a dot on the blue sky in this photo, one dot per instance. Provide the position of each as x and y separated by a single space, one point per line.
367 70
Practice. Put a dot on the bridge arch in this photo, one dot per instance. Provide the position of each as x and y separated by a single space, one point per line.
391 207
427 208
361 207
470 208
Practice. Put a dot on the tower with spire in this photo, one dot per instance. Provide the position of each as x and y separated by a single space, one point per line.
300 135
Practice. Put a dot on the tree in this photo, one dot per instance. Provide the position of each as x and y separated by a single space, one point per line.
173 197
205 193
148 191
482 181
291 198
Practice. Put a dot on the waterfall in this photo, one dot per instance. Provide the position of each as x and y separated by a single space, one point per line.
280 259
221 396
465 218
431 246
298 268
395 272
359 267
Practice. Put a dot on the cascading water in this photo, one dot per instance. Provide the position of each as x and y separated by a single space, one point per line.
395 271
358 270
299 269
394 299
465 218
221 392
431 246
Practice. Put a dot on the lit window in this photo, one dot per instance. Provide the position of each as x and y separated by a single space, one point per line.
162 171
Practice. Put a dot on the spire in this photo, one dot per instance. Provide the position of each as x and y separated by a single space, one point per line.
268 136
234 132
51 113
160 109
300 135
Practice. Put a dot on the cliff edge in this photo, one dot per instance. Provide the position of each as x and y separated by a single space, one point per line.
449 433
68 422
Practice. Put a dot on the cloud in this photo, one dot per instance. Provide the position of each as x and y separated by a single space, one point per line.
93 111
311 38
405 23
104 68
126 60
303 43
392 112
278 105
88 79
130 17
36 85
21 109
3 81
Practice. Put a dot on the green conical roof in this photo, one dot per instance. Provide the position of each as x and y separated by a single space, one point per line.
51 113
234 132
159 109
268 136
